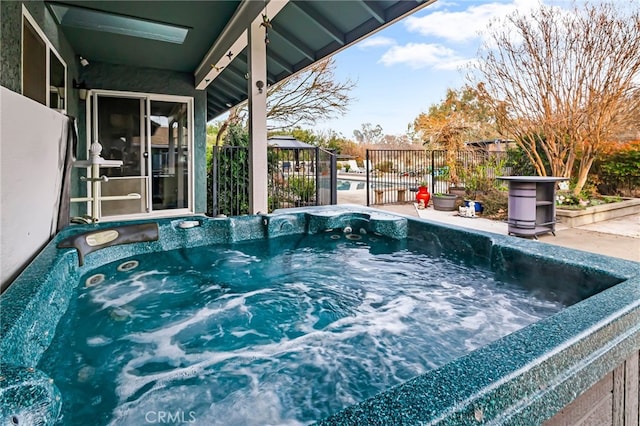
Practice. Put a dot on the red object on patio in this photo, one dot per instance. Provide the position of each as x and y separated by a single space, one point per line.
424 195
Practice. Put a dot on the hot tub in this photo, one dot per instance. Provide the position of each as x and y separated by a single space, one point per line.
525 377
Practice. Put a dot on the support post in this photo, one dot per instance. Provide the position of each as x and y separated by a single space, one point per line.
257 92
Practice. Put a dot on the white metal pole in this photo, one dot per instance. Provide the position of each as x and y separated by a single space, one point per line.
257 93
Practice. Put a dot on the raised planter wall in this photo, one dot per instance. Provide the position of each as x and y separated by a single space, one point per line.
574 218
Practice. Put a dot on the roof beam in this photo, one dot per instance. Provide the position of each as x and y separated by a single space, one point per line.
227 89
242 60
380 16
233 39
374 10
324 24
293 41
215 103
280 61
394 13
237 75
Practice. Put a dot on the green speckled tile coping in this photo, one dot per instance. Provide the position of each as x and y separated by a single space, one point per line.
522 378
28 397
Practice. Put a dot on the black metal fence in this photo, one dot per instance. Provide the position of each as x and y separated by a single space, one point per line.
393 176
296 177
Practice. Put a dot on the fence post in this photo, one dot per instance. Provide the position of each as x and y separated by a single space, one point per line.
214 181
433 172
317 169
367 180
334 178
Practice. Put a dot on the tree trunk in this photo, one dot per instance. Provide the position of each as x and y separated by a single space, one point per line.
583 173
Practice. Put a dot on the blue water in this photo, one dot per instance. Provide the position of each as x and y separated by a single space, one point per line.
283 331
350 185
354 185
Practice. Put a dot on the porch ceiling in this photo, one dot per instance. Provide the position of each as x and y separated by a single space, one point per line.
304 32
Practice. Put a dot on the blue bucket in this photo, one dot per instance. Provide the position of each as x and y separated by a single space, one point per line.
478 205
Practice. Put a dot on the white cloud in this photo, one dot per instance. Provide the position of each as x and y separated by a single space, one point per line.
377 41
465 24
423 55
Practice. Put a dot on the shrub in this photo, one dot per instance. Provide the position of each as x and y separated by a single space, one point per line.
303 187
233 176
618 173
495 204
519 163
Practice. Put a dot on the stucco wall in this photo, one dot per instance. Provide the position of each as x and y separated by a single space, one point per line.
99 76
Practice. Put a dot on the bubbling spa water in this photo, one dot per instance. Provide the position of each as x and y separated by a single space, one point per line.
280 331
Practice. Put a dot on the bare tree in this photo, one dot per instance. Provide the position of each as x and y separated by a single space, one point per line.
397 141
304 98
560 82
309 97
369 134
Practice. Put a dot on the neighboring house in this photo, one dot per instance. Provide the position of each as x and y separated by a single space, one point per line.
492 145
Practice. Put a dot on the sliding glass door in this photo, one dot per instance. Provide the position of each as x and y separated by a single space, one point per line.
169 155
152 136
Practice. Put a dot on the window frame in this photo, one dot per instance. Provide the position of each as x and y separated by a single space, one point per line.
49 49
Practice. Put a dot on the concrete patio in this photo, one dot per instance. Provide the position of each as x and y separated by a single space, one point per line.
619 237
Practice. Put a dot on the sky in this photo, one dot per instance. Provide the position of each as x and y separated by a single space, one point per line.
405 68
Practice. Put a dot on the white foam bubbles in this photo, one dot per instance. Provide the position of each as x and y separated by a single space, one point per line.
99 341
294 336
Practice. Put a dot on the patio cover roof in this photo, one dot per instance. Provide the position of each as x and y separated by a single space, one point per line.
208 38
287 142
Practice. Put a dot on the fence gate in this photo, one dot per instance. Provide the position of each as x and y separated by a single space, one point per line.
296 177
393 175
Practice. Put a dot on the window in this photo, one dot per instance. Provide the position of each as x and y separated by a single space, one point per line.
44 73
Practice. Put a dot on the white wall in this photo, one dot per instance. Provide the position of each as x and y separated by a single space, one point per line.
32 138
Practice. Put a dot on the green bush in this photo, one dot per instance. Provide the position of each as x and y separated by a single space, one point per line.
519 163
233 176
618 173
304 188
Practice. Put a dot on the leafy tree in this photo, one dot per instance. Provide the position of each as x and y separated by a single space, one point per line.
305 135
562 83
235 118
330 139
397 141
212 132
350 148
462 116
